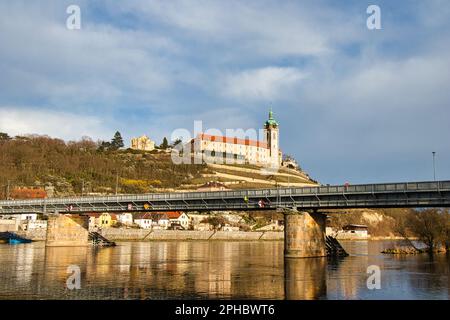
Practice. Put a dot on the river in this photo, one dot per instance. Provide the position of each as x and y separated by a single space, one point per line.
216 270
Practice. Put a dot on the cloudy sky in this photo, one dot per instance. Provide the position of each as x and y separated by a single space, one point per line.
353 104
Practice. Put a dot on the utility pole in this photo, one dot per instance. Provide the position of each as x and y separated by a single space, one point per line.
82 187
434 165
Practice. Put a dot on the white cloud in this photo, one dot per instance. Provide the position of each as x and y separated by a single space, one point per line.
62 125
98 64
261 84
262 28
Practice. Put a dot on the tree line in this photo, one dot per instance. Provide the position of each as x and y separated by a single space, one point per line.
82 166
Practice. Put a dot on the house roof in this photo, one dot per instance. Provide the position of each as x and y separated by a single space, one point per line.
174 214
355 226
232 140
140 216
93 214
155 216
98 214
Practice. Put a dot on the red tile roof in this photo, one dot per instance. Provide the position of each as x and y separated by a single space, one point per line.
233 140
173 214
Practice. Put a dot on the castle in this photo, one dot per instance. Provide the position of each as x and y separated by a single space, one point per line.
143 143
263 153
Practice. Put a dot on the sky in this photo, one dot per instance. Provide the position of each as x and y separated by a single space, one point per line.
354 105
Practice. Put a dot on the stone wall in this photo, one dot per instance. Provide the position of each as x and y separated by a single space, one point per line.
114 234
35 235
140 234
67 231
8 225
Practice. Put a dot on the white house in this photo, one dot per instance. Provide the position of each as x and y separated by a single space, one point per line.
353 232
125 218
36 224
22 217
160 221
177 218
144 220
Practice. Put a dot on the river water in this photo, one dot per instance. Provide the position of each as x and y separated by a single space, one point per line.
216 270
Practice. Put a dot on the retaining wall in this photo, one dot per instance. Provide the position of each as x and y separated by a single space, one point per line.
147 235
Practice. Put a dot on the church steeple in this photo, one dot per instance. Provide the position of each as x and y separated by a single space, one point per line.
271 121
271 130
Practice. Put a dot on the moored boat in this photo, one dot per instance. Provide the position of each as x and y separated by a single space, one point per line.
18 241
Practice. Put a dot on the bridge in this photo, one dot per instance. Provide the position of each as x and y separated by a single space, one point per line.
384 195
303 208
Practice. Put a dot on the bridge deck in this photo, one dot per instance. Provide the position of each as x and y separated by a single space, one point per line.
407 194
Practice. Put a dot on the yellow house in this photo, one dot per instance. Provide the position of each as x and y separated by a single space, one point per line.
101 220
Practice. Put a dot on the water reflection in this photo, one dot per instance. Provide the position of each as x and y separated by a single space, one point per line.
305 279
222 270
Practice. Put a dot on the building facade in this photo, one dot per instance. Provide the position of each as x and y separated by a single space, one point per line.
101 220
222 149
142 143
125 218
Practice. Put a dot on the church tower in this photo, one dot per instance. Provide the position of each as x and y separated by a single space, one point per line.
272 137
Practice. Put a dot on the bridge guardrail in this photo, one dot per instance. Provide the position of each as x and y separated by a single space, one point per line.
320 190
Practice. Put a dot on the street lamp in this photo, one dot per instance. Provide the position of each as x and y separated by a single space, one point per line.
434 165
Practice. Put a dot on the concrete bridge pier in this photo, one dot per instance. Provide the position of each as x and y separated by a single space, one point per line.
67 231
304 234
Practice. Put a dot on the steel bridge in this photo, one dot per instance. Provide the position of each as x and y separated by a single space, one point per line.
383 195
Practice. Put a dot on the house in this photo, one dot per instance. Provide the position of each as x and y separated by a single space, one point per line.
17 221
143 220
353 231
36 224
21 217
125 218
160 221
357 229
101 220
28 193
143 143
177 218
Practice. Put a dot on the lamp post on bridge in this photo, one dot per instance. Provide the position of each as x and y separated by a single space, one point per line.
434 165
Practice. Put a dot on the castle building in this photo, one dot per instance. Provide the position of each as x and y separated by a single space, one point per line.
143 143
263 153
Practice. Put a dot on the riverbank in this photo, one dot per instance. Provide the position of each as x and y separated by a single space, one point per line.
114 234
158 235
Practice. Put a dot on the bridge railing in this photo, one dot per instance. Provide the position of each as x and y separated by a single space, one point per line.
319 190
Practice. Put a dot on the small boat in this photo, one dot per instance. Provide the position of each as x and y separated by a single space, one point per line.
18 241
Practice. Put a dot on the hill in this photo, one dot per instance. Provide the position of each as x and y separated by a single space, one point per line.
86 167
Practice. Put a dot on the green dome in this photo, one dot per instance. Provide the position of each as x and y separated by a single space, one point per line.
271 121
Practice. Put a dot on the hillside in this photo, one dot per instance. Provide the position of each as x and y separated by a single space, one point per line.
85 167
